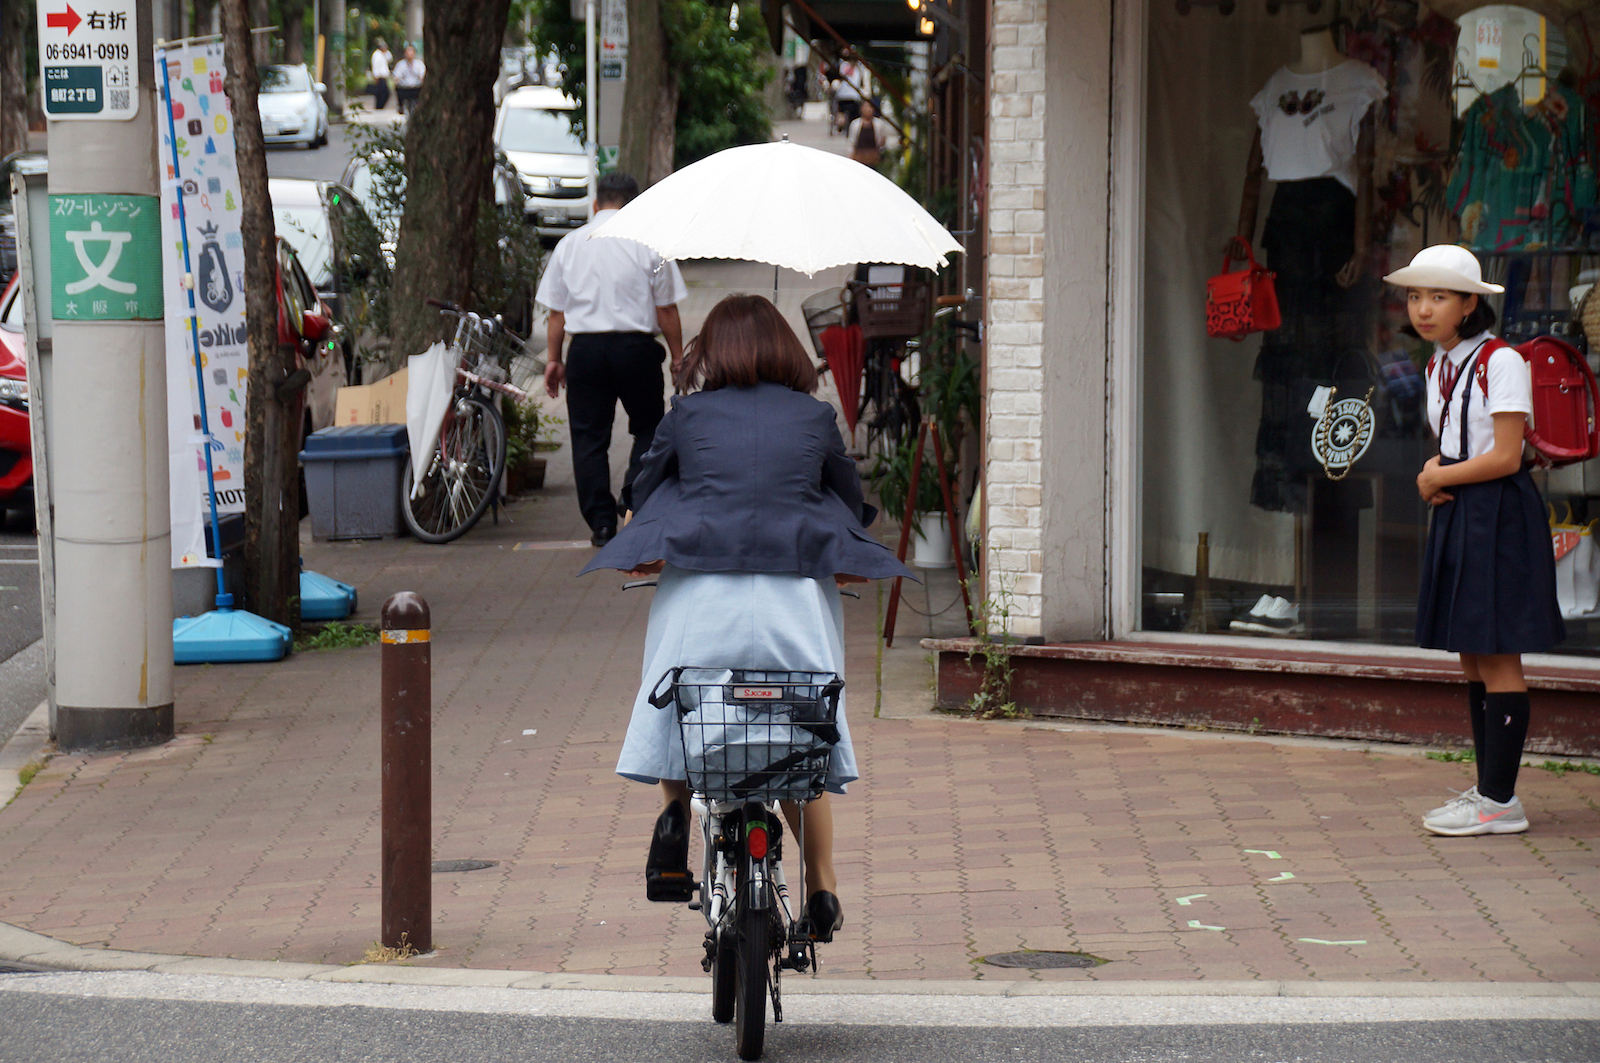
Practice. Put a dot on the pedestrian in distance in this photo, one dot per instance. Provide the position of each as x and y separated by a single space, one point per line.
408 75
847 94
378 71
611 296
752 514
869 136
1488 575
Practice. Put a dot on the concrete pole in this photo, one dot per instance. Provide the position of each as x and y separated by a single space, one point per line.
413 11
591 90
336 21
112 521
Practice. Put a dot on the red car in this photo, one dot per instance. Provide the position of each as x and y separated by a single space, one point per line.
16 448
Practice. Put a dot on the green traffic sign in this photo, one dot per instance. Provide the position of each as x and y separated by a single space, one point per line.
105 257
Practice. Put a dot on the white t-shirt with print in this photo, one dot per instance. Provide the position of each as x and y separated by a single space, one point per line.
1510 391
1310 123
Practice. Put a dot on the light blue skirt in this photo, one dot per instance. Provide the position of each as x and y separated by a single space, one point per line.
732 620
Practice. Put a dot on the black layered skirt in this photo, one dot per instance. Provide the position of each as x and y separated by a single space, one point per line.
1489 572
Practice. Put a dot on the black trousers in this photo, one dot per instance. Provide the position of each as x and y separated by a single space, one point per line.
380 93
407 97
602 369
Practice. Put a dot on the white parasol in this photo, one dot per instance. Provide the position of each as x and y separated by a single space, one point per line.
783 204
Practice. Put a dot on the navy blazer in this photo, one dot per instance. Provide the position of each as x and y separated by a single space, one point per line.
750 480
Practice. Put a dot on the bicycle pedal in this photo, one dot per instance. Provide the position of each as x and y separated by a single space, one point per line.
694 905
669 886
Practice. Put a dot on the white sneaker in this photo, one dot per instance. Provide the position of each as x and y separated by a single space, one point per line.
1477 815
1469 794
1271 616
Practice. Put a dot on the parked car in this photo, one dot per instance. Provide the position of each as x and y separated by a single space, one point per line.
534 129
340 249
16 447
293 110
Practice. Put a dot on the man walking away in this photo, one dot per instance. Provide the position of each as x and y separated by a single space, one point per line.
380 76
611 296
408 74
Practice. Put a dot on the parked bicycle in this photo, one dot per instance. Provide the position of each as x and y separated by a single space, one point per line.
751 739
463 473
889 315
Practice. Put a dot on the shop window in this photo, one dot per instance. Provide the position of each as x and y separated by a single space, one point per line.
1336 144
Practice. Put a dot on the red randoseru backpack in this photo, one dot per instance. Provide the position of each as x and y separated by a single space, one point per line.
1563 428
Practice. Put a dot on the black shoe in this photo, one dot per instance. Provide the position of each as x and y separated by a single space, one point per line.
823 916
666 871
602 536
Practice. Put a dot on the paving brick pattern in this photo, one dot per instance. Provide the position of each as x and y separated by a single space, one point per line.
255 833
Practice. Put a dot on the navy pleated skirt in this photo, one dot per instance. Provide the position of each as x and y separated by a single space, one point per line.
1489 572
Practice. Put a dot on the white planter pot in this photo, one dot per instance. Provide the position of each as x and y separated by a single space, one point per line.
931 542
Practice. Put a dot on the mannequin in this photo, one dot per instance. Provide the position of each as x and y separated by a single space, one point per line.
1314 139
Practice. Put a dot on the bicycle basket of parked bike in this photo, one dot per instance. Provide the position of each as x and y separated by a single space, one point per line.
754 735
897 310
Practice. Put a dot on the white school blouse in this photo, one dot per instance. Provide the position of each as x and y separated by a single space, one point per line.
1510 391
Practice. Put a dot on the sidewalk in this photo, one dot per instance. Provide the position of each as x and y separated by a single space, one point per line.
1172 856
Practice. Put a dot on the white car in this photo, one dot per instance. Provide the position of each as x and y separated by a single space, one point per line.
534 129
292 108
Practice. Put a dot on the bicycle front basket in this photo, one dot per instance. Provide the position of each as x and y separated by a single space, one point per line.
755 735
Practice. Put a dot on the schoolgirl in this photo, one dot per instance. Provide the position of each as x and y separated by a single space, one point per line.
1488 574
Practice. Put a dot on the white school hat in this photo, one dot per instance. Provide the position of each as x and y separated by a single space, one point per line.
1447 266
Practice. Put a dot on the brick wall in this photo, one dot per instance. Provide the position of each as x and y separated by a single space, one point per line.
1015 309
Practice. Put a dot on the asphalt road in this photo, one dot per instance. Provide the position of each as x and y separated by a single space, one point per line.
135 1017
323 164
21 668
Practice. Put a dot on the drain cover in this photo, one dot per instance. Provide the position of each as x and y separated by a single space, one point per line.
1041 960
462 865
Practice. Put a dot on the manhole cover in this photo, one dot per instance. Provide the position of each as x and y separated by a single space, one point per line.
462 865
1040 960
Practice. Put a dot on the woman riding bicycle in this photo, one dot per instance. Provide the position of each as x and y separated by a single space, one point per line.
752 514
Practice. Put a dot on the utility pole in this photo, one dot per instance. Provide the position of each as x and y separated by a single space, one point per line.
112 521
590 133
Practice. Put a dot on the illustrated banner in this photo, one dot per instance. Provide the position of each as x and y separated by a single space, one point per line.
202 122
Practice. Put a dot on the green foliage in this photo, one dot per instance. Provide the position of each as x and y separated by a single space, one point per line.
992 618
335 635
1561 767
721 77
528 429
1453 756
891 479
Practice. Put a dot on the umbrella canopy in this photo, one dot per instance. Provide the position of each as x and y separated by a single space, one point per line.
786 205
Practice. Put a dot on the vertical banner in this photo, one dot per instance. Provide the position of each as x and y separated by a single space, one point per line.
205 172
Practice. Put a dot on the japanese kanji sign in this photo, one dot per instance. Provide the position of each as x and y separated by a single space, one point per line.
88 59
105 257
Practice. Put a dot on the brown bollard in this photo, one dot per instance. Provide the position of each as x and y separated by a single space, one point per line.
407 775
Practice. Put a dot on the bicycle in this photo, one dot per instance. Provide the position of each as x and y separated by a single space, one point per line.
888 316
464 472
751 738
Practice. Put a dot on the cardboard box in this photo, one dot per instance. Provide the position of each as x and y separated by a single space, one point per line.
380 403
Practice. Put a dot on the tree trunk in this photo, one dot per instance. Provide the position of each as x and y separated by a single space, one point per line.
294 35
272 503
13 76
260 15
449 159
648 75
664 130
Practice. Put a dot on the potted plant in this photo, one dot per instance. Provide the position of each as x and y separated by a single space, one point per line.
527 432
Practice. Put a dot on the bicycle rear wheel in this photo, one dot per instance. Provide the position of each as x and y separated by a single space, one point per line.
753 953
463 477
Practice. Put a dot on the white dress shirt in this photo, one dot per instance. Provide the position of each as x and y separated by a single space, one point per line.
380 65
1510 391
408 73
608 285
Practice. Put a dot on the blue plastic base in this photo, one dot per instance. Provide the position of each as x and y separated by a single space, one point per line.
325 598
226 636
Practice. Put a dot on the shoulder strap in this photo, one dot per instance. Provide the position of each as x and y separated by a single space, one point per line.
1472 368
1481 369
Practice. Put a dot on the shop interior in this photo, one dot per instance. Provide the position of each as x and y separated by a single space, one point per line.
1337 138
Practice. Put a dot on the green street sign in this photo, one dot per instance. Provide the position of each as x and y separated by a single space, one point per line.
74 89
105 258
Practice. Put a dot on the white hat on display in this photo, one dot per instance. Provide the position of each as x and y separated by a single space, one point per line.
1448 266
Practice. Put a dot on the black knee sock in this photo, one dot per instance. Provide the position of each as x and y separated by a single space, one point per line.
1505 728
1475 696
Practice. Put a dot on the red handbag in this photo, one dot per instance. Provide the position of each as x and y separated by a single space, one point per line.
1242 302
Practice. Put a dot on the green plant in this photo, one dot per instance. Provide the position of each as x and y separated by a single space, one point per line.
1453 756
891 478
528 430
1561 767
992 618
335 635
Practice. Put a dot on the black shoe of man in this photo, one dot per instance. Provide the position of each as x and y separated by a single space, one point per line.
602 536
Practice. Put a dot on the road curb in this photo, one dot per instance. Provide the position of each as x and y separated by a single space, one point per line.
23 748
26 947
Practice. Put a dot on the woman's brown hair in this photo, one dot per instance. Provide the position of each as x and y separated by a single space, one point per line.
746 341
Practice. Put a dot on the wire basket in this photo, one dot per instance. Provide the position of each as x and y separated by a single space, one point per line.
754 735
823 311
